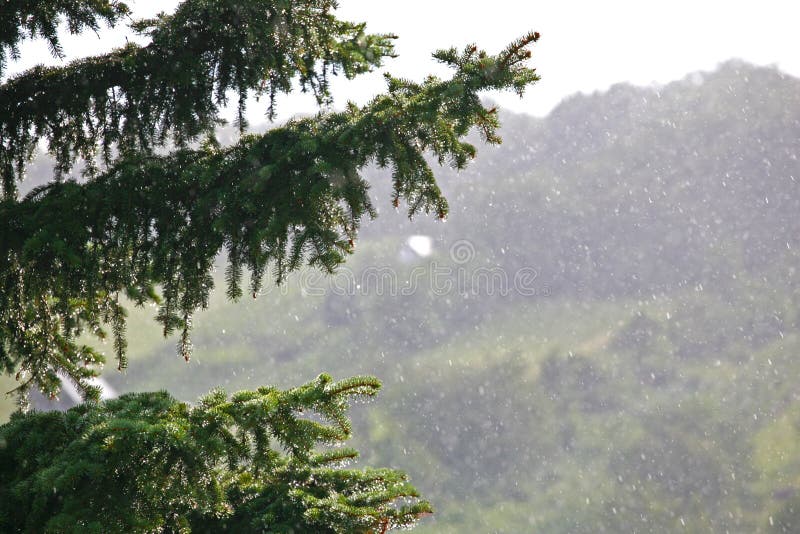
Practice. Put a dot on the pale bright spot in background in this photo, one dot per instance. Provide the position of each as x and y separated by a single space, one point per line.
422 245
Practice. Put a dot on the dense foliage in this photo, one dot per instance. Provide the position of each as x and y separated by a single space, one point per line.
150 226
136 97
148 463
20 20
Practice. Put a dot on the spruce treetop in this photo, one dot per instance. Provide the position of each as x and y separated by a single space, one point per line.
249 462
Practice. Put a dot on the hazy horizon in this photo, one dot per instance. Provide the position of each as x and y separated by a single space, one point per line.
585 47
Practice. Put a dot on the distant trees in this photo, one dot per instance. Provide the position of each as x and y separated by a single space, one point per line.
146 226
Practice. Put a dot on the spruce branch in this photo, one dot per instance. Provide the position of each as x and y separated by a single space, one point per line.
146 462
29 19
137 98
289 197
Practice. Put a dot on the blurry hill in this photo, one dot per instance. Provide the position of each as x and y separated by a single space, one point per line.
603 338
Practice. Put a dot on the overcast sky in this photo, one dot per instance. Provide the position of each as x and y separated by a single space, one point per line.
586 45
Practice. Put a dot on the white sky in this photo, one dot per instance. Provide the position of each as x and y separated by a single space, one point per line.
586 45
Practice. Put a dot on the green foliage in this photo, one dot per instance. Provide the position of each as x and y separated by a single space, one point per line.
246 463
136 97
275 201
148 219
21 19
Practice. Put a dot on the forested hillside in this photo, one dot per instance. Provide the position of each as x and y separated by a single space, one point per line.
603 338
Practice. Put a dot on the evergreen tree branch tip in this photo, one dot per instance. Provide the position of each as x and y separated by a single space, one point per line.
137 98
29 19
273 201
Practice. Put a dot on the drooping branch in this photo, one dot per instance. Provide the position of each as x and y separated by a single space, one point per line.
291 196
138 97
29 19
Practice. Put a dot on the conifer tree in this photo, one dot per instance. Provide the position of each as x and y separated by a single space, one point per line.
147 463
144 220
157 201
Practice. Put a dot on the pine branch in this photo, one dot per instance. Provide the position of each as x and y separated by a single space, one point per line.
139 97
288 197
146 462
29 19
